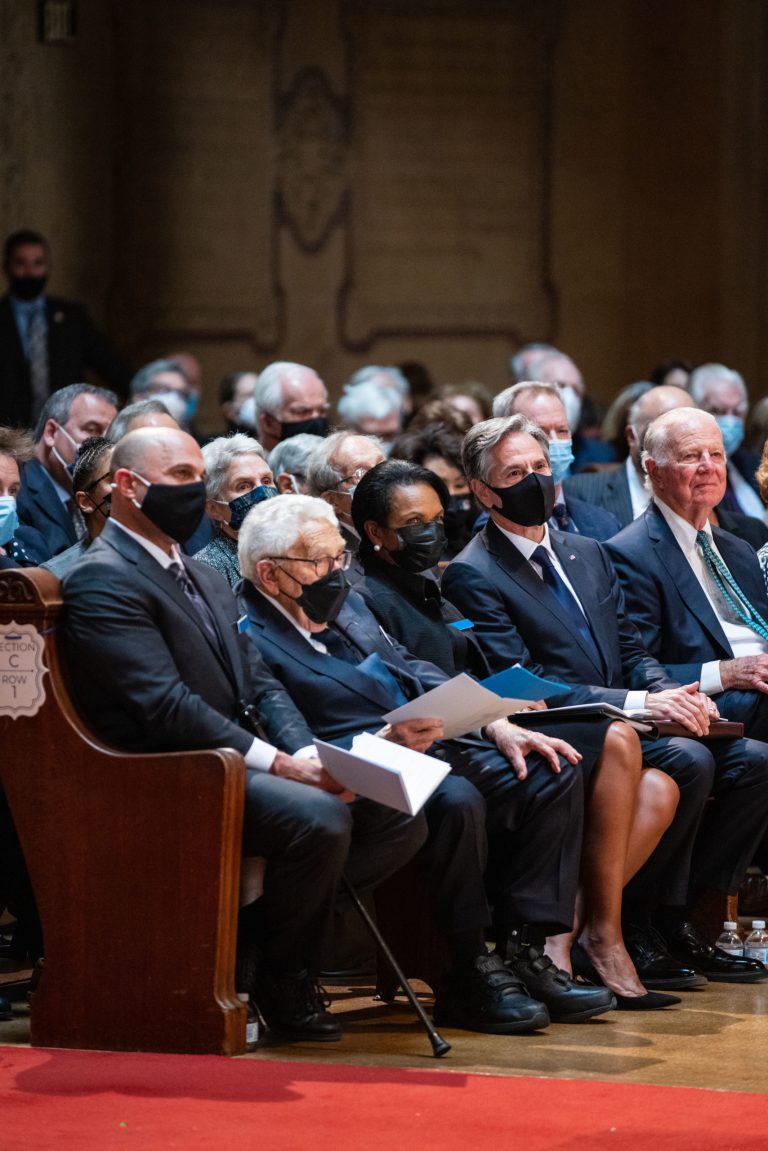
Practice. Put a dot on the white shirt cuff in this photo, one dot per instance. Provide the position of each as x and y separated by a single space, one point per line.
635 700
260 755
308 752
711 682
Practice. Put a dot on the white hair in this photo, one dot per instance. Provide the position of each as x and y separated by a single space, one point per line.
517 364
707 374
291 455
322 473
368 401
272 528
369 373
218 456
268 393
504 403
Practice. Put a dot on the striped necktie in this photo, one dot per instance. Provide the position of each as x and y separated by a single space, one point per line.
729 588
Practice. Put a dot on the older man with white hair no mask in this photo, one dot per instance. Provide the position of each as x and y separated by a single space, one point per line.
695 592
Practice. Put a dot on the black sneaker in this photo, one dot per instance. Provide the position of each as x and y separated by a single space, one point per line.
566 1000
294 1007
487 997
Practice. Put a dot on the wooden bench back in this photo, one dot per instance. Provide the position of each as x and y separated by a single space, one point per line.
134 859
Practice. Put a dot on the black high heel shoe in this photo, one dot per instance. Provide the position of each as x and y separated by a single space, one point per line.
651 1001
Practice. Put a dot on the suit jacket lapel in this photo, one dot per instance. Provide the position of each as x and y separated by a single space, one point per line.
511 561
682 577
618 485
265 618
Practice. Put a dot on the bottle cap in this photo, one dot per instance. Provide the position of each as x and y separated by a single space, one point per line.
758 924
729 925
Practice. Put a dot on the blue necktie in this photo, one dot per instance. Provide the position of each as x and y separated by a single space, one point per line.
566 600
729 589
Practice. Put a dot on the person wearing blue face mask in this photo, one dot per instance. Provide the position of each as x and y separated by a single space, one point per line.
237 478
15 448
723 393
51 520
542 404
167 380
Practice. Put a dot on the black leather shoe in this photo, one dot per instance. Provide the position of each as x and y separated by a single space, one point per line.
5 1009
566 1000
654 965
487 997
294 1008
692 946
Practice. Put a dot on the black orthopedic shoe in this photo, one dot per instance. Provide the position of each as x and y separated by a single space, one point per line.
686 942
294 1007
566 1000
654 965
487 997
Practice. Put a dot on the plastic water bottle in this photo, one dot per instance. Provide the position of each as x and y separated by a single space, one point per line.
252 1023
730 940
756 946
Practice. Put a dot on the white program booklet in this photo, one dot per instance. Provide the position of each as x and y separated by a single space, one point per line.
384 771
462 703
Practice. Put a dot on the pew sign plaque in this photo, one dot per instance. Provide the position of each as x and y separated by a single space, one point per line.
21 670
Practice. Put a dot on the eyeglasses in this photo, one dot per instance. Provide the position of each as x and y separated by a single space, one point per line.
354 477
325 564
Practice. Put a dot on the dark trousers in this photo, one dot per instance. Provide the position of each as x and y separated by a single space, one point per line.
308 838
709 845
534 831
456 855
747 707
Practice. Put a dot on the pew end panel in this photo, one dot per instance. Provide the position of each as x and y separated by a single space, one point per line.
135 864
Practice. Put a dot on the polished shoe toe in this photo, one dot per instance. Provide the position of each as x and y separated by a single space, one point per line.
567 1000
690 945
487 997
654 965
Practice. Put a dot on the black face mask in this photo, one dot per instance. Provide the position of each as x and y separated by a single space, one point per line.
27 287
317 426
176 509
423 544
529 502
460 516
322 600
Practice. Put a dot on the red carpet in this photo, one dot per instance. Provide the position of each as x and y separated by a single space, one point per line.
85 1101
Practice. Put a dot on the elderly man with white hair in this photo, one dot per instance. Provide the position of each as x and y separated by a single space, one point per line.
372 410
323 644
237 476
723 393
388 377
333 472
289 460
558 369
289 399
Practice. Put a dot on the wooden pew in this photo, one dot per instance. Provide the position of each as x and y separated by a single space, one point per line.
134 859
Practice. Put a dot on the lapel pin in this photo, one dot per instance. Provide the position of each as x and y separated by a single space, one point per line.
571 556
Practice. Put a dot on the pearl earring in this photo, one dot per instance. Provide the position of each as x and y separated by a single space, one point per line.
377 547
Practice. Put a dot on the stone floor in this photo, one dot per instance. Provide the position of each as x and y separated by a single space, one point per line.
715 1039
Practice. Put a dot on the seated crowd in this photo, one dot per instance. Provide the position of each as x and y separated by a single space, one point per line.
297 579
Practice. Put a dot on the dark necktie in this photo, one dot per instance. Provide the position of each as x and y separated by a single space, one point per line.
565 598
729 588
37 354
336 645
180 574
561 518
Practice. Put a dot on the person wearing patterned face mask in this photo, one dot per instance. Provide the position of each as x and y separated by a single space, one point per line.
543 405
237 478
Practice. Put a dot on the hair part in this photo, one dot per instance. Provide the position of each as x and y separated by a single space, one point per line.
481 440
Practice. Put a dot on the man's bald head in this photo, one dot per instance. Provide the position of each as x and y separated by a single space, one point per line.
648 408
148 446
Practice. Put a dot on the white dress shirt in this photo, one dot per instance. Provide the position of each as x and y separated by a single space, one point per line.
742 640
634 700
638 493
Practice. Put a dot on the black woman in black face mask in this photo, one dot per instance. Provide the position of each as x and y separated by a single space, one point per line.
237 477
399 510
